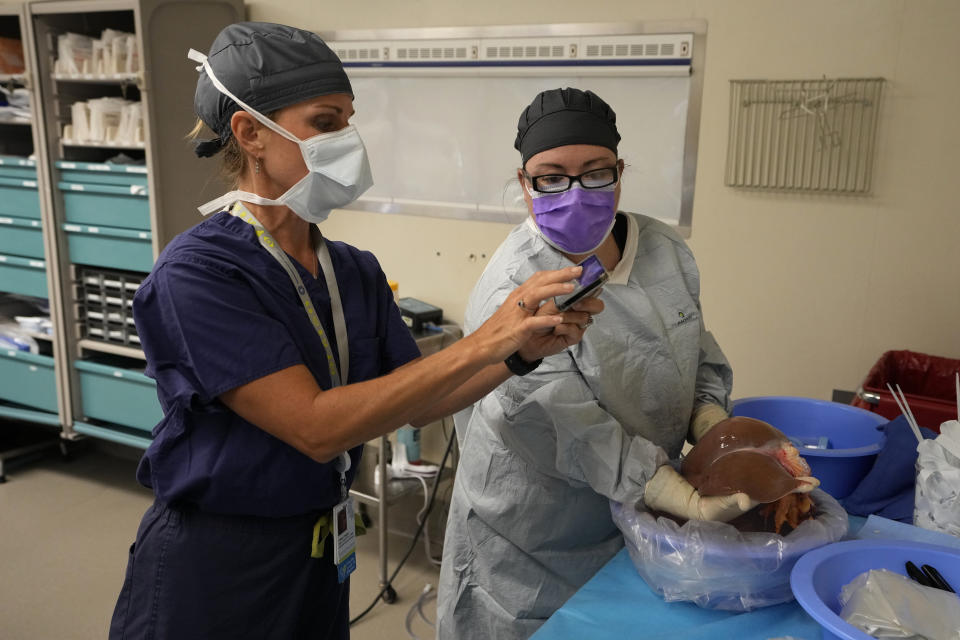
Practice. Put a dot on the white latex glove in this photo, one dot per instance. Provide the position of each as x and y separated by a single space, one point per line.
703 420
670 492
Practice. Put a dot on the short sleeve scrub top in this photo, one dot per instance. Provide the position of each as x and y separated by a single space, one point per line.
225 551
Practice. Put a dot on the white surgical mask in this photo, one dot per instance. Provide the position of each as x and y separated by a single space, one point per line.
338 171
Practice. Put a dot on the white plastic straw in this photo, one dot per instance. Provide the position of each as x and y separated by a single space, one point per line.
916 425
900 405
905 410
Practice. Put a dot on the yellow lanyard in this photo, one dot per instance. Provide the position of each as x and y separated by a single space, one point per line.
326 264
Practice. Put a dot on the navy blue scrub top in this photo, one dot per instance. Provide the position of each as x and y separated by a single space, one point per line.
217 312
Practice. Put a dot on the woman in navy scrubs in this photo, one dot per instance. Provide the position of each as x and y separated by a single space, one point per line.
278 353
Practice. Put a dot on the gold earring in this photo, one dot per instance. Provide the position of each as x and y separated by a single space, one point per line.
256 167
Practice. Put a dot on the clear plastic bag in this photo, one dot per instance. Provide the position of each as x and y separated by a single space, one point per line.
74 54
885 604
714 565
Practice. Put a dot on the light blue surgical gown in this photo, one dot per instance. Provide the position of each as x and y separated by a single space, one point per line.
543 454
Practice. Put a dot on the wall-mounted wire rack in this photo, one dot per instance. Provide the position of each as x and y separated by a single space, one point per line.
803 135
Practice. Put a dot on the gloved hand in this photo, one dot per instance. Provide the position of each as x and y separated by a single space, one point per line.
705 416
670 492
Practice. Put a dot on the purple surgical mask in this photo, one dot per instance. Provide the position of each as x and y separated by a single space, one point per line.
577 220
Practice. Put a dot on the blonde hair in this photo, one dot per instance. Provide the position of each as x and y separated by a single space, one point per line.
233 161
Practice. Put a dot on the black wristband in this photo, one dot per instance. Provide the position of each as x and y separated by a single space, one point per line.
519 366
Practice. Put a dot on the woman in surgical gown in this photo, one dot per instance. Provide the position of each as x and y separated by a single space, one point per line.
277 354
544 453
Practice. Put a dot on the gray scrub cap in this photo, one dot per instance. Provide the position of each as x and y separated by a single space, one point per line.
559 117
268 66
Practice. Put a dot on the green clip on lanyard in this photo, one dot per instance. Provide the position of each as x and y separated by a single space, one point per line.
323 255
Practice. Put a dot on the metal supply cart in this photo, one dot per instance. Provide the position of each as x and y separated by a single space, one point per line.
390 490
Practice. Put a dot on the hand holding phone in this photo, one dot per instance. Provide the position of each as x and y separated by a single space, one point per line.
589 283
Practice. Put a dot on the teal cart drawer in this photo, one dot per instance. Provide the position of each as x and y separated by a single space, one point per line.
127 207
102 173
17 168
21 237
28 379
19 198
25 276
118 395
109 247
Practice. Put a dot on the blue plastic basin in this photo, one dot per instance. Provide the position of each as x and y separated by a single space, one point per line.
853 434
818 577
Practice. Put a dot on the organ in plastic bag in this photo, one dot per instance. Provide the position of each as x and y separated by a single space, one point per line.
714 565
885 604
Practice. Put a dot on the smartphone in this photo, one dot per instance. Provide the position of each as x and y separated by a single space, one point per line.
588 284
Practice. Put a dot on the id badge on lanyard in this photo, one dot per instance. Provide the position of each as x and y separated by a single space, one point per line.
343 525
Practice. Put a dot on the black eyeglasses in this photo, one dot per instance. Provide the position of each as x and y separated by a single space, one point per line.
557 182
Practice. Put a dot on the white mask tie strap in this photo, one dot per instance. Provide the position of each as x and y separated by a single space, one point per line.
196 56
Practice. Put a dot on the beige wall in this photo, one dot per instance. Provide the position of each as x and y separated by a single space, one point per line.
803 292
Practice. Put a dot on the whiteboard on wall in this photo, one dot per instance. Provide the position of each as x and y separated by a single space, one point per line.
439 128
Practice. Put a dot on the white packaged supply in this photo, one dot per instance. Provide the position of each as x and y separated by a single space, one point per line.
74 54
937 498
885 604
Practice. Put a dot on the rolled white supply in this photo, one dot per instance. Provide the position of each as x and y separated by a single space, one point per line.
64 60
122 133
130 118
67 132
118 53
80 115
97 130
133 55
97 57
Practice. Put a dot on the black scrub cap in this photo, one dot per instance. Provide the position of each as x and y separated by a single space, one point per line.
559 117
268 66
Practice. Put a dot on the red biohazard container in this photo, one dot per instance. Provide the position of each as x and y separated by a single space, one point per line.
928 382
